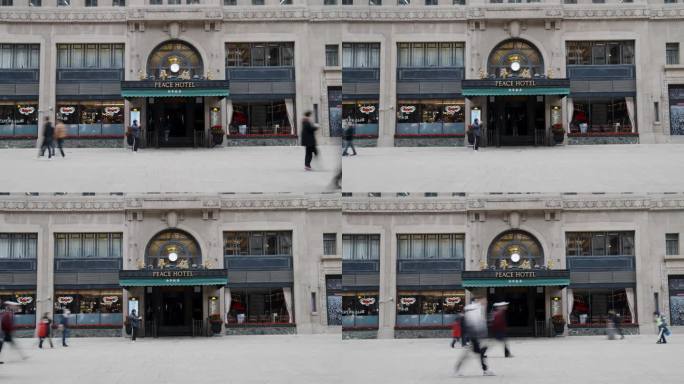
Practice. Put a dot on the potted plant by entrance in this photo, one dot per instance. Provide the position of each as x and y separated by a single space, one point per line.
558 133
558 324
217 133
215 323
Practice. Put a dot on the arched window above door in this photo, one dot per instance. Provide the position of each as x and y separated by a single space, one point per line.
173 249
175 60
515 58
518 248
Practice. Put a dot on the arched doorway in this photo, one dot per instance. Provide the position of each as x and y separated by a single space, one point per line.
173 120
517 249
173 309
516 118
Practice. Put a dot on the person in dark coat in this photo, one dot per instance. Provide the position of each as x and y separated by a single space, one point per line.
476 129
135 135
499 325
48 136
134 321
348 136
8 327
309 139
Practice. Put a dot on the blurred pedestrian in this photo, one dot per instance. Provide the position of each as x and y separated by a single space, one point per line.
499 326
456 330
348 136
44 330
134 132
476 129
48 135
309 139
60 135
614 325
134 321
662 328
8 327
64 326
475 327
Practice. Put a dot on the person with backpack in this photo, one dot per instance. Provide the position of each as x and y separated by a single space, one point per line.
64 326
134 135
44 330
662 328
60 135
134 321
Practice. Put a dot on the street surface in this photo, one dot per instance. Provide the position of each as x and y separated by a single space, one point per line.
324 359
232 169
577 168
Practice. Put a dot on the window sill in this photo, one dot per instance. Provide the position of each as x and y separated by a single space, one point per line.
602 325
674 257
603 134
261 136
261 325
336 68
353 329
411 135
331 257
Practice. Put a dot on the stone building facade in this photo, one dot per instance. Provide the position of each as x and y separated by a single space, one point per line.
411 262
405 73
247 264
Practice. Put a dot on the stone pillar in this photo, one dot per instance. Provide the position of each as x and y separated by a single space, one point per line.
47 86
388 94
45 274
387 294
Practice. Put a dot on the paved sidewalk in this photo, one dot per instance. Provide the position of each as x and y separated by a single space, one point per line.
227 360
579 168
233 169
567 360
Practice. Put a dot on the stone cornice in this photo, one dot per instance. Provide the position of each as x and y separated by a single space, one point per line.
163 203
544 203
344 13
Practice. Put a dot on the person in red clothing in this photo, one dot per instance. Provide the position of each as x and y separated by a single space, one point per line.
499 325
456 330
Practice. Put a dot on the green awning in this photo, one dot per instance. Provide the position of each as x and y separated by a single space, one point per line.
176 92
485 283
173 282
501 91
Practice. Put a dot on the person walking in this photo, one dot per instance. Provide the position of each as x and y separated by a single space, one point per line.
662 328
309 139
614 322
475 327
60 135
7 326
64 326
134 321
44 330
348 136
456 331
48 135
499 327
135 130
476 128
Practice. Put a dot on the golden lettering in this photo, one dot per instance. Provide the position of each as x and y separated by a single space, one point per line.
515 83
174 84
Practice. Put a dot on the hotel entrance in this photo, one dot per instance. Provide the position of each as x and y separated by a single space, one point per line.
175 121
173 311
515 120
526 315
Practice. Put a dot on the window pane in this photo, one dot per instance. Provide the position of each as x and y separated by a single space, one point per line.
431 247
91 56
403 247
417 247
105 56
118 59
361 55
21 56
598 244
613 244
102 245
361 247
256 243
116 245
18 246
74 245
4 246
446 55
347 244
627 244
432 55
63 56
270 243
60 246
76 56
285 243
35 57
598 53
89 249
417 55
347 56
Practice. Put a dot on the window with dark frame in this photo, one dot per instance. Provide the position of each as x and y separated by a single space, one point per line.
173 2
656 111
257 2
599 243
156 2
430 246
591 306
267 54
270 243
672 244
189 2
433 54
431 2
91 3
109 56
403 2
333 290
35 3
374 2
19 56
6 3
360 55
360 247
360 309
458 2
285 2
18 246
347 2
329 2
88 245
599 52
332 55
258 306
671 53
118 3
329 244
230 2
429 308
